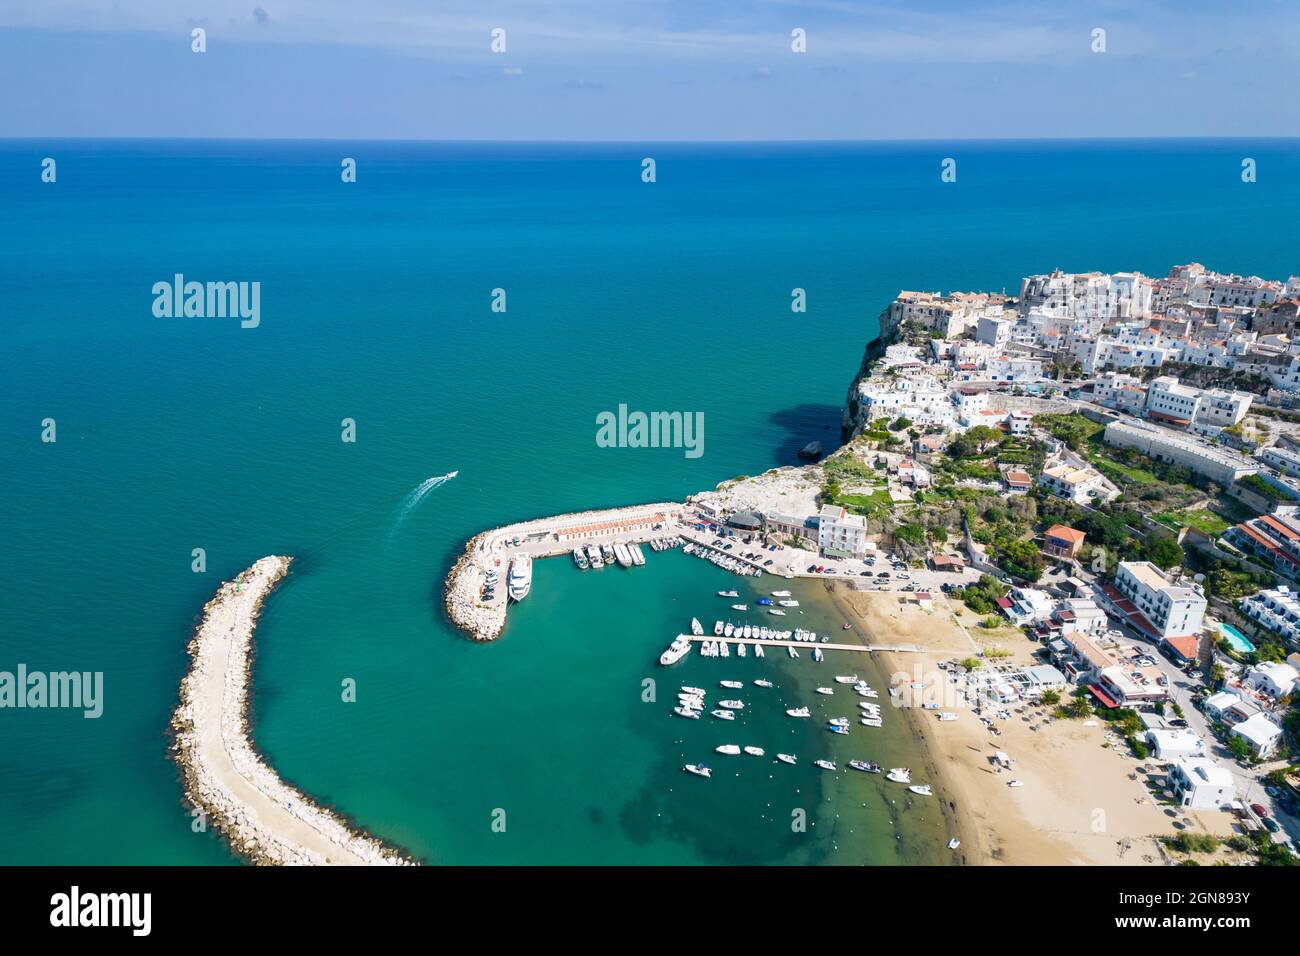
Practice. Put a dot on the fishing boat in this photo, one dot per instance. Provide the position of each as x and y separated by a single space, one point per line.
921 788
899 775
792 652
732 704
788 603
638 556
764 602
797 712
762 681
954 843
780 594
682 710
825 764
841 679
580 559
776 611
817 655
729 749
717 628
593 556
758 650
696 627
755 751
740 607
622 555
728 594
723 714
520 579
826 690
786 758
678 649
865 766
728 629
698 769
732 684
740 650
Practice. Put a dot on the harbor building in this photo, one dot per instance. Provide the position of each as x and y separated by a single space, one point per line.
1163 609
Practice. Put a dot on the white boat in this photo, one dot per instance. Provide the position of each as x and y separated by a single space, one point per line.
826 690
580 559
593 555
740 607
678 649
787 603
755 751
922 788
607 553
762 682
871 722
638 556
954 843
732 704
825 764
1015 783
728 594
520 579
792 652
717 628
740 650
730 749
776 611
817 655
838 721
688 712
780 594
899 775
696 627
728 629
758 650
947 716
622 554
797 712
786 758
746 631
697 691
698 769
724 650
723 714
731 684
841 679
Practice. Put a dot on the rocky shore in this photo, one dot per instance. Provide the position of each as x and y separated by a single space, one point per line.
266 821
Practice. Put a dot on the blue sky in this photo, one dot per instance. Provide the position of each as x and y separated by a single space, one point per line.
648 69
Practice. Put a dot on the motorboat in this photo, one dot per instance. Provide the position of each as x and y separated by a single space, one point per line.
764 602
694 691
871 722
740 607
758 650
740 650
954 843
731 684
755 751
841 679
838 721
732 704
683 711
724 650
825 764
607 553
678 649
698 769
780 594
826 690
728 594
728 629
594 558
947 716
622 555
1015 783
520 579
746 631
729 749
899 775
717 628
923 789
696 627
817 655
792 652
786 758
776 611
638 556
797 712
788 603
866 766
762 682
580 559
723 714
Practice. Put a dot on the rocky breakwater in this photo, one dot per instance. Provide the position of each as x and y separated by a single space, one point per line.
266 820
479 620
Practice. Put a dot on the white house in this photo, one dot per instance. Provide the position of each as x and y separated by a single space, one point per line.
1216 705
1027 605
839 532
1170 744
1277 610
1079 485
1272 679
1173 610
1200 784
1260 733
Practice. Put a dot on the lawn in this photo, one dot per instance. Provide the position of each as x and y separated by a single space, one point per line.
1201 519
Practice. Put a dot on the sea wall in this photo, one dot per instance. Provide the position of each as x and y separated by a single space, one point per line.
266 821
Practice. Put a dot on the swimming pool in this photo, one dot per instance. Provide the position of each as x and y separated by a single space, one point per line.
1236 640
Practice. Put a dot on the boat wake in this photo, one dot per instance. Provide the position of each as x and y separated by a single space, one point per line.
411 501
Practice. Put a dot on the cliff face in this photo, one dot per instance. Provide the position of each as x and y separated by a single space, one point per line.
853 421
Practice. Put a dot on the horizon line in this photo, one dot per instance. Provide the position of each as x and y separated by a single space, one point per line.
675 142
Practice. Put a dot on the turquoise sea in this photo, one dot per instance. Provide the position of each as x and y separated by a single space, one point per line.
175 434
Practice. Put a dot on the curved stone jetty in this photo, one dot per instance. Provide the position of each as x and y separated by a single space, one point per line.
266 820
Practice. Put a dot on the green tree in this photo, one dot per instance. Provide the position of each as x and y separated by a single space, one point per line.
1163 552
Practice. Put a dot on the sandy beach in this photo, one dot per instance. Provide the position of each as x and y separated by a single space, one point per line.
1083 801
266 820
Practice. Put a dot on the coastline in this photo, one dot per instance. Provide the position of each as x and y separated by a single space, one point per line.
266 821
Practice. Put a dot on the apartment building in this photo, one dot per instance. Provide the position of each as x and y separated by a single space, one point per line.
840 533
1164 609
1214 462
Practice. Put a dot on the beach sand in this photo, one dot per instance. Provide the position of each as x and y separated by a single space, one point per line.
1083 802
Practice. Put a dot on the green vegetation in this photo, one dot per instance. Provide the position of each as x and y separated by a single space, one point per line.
971 663
1192 842
1050 697
1202 519
1262 488
982 596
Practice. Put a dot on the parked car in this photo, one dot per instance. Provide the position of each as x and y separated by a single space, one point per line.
1260 809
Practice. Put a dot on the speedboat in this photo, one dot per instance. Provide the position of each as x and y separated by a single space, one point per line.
841 679
717 628
580 559
865 766
764 602
1015 783
520 579
678 649
838 721
696 627
797 712
786 758
825 764
826 690
682 710
607 553
723 714
923 789
758 650
728 594
871 722
695 691
698 769
776 611
755 751
724 650
740 607
747 631
954 843
780 594
730 749
792 652
899 775
593 556
762 682
817 655
947 716
788 603
731 704
837 729
732 684
728 629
